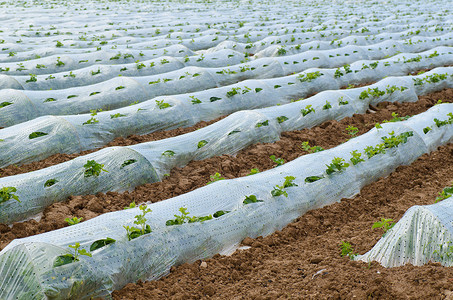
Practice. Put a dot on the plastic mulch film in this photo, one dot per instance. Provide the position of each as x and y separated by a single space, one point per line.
224 137
29 261
72 134
122 91
424 233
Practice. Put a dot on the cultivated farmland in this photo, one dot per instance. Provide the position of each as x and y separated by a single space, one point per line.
226 149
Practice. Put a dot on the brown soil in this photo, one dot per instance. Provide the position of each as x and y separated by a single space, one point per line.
197 173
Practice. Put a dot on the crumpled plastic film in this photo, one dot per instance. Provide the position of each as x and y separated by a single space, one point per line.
424 233
151 255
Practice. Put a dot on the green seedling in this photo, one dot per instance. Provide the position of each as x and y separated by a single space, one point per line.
446 193
101 243
32 78
385 224
133 232
7 193
327 105
36 134
202 143
162 105
184 218
70 258
168 153
50 182
278 161
117 115
73 220
279 189
259 124
92 168
311 179
131 205
352 131
213 99
220 213
254 171
282 119
306 147
347 250
308 109
356 157
128 162
337 165
215 177
251 199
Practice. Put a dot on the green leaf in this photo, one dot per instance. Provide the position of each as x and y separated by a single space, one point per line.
251 199
220 213
36 134
63 260
212 99
101 243
50 182
202 143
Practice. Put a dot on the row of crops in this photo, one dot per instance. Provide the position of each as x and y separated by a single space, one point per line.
75 75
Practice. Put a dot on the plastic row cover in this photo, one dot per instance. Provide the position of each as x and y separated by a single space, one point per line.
227 136
26 264
424 233
67 134
122 91
329 56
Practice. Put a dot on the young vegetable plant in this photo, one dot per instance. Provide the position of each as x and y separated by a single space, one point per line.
278 161
215 177
385 224
253 171
92 168
36 134
92 120
446 193
101 243
184 218
337 165
73 220
306 147
251 199
202 143
352 131
356 157
133 232
279 189
308 109
162 105
347 250
50 182
7 193
70 258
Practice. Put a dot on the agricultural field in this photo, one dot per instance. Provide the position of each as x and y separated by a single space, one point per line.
226 149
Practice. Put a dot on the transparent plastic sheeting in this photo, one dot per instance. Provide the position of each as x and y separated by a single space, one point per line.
68 134
26 264
145 49
227 136
424 233
122 91
329 56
